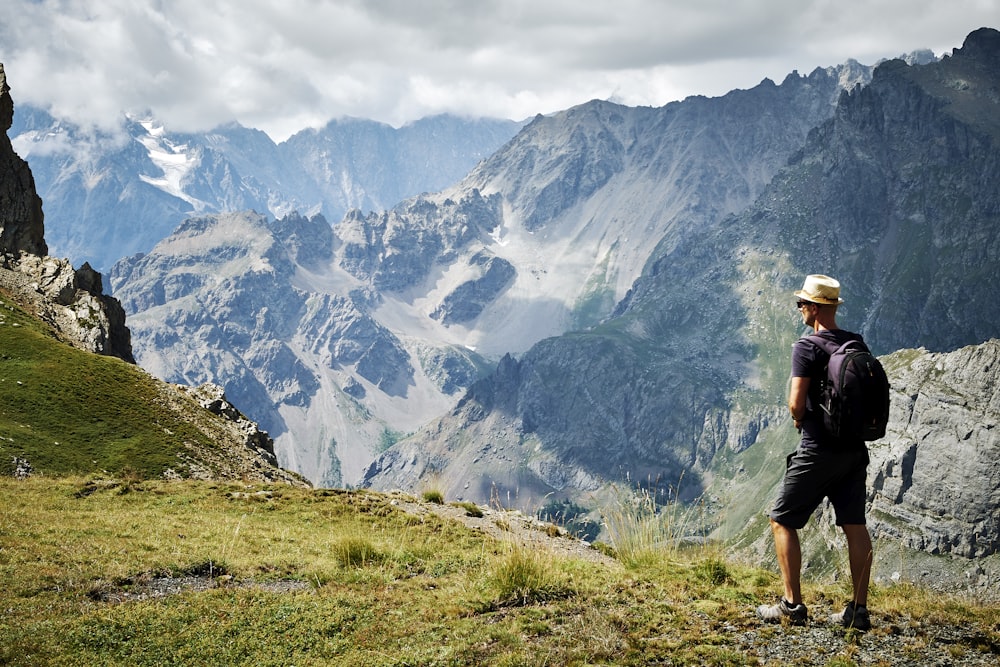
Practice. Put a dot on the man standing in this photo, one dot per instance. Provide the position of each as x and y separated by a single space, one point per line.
821 467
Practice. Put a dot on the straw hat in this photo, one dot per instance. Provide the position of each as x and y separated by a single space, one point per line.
820 289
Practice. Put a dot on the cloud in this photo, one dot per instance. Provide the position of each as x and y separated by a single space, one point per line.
282 65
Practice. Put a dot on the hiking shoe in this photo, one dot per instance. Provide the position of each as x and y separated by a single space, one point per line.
797 614
854 616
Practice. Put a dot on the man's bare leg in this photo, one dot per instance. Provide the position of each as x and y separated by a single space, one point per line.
789 552
859 551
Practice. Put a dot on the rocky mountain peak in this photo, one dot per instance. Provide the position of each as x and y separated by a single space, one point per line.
983 44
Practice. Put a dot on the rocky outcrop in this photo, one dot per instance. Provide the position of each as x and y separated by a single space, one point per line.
935 478
212 397
467 301
234 447
21 226
397 249
71 301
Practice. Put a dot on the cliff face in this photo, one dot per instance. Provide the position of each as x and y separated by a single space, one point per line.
21 227
70 300
934 480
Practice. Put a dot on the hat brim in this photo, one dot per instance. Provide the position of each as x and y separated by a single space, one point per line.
823 301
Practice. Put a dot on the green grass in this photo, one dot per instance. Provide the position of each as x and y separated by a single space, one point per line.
112 568
283 575
69 411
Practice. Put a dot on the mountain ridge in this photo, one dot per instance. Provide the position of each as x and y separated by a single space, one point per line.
112 195
446 283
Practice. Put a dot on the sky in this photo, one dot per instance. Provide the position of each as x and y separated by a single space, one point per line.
284 65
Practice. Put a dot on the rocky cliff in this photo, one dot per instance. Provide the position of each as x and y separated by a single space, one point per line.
71 300
935 478
21 227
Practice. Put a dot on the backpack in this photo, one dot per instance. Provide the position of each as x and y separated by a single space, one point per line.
854 396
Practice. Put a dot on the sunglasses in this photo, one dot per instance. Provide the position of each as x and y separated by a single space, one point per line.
799 304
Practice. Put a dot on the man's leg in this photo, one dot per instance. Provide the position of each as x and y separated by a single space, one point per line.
789 552
859 551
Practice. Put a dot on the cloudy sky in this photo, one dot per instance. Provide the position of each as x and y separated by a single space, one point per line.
282 65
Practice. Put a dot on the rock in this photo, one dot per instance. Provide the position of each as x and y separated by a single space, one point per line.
468 300
934 480
212 397
71 302
21 220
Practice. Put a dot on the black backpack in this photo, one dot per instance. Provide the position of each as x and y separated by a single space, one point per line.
854 397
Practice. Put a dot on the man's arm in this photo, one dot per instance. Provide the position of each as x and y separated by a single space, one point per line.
797 399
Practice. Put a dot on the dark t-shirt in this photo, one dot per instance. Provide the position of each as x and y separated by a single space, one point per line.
809 361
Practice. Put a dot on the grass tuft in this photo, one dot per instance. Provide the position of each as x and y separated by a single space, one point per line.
523 576
471 509
434 496
713 571
355 551
642 531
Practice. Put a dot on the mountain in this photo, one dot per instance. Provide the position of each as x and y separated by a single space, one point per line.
390 316
115 194
683 387
360 164
71 398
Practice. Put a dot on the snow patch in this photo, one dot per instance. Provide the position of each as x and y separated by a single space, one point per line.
174 160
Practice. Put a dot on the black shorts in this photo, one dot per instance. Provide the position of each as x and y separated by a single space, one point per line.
814 473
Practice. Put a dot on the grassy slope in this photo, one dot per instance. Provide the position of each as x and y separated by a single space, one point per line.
376 586
68 411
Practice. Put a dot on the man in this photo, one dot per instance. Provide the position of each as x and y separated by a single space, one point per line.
821 467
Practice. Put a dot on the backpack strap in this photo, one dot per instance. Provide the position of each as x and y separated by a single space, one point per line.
831 346
824 344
